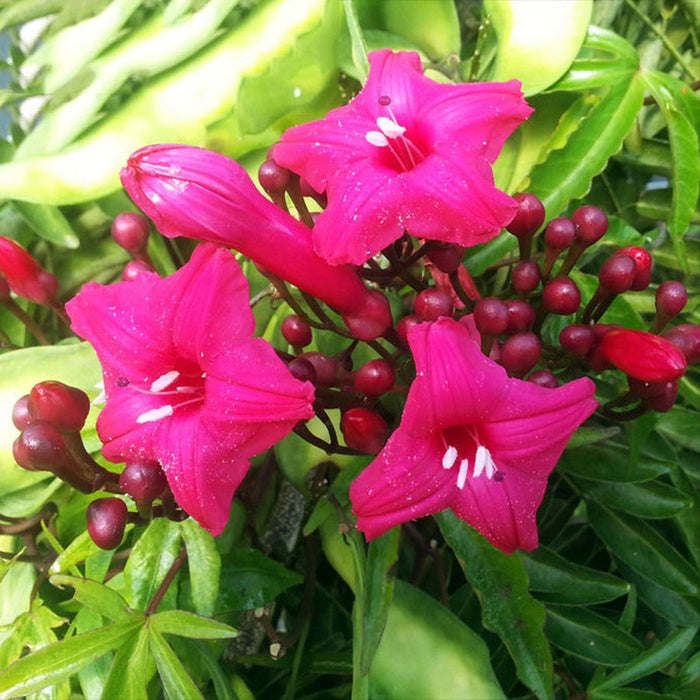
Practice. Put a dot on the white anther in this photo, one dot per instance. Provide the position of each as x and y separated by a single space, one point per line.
164 381
479 461
490 465
155 414
376 138
462 476
449 458
390 128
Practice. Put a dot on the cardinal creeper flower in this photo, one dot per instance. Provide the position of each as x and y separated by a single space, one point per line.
186 385
196 193
471 439
406 153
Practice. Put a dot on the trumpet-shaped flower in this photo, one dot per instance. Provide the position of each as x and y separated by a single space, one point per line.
471 439
186 385
196 193
25 276
406 154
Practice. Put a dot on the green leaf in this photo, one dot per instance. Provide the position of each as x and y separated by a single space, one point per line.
508 609
567 173
426 652
560 581
628 694
652 499
591 636
149 561
642 548
48 222
96 596
380 577
204 563
176 680
686 153
357 41
59 661
187 624
79 549
610 463
590 69
649 661
132 668
249 580
680 427
25 10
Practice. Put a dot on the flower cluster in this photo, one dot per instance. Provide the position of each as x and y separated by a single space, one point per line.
401 185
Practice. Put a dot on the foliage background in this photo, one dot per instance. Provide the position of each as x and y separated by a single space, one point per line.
608 607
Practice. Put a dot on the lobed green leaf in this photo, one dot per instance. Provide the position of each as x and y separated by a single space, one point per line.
96 596
176 681
204 563
187 624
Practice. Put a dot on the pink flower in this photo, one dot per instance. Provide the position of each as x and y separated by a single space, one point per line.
406 154
200 194
25 276
471 439
186 384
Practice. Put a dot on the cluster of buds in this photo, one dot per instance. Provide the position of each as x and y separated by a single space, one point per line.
49 419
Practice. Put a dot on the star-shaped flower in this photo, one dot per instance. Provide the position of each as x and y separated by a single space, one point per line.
407 153
471 439
186 384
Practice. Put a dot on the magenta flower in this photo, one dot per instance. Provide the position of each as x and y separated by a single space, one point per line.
406 154
196 193
471 439
186 385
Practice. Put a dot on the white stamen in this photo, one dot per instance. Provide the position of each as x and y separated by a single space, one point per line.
164 381
390 128
490 465
376 138
155 414
479 461
462 476
449 458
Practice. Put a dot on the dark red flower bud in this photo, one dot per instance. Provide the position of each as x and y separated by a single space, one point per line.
617 274
664 400
643 260
64 406
135 270
143 481
559 234
526 276
521 316
591 224
372 319
577 339
327 368
25 276
671 298
545 378
491 316
561 296
520 353
686 337
447 258
431 304
644 390
273 178
364 430
303 370
296 332
21 417
130 230
106 520
404 325
528 217
375 378
644 356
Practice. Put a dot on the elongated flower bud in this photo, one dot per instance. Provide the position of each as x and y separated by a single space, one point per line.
25 276
196 193
644 356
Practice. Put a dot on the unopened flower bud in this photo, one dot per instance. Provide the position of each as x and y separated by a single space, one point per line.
529 216
135 270
545 378
671 298
617 274
526 277
561 296
662 401
295 331
447 258
591 224
21 416
686 337
404 325
326 368
364 430
431 304
143 481
64 406
491 316
374 378
372 319
130 230
643 260
25 276
106 521
644 356
521 316
577 339
520 353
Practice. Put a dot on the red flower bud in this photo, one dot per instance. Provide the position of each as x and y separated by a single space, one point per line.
26 277
364 430
644 356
